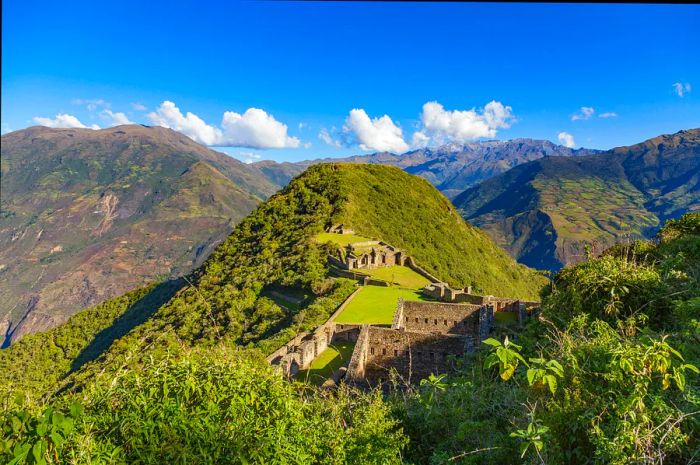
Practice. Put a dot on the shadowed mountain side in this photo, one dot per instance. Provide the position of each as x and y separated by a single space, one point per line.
546 212
38 362
137 313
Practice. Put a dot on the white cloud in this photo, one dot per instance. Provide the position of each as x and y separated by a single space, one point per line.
326 137
440 126
254 128
257 129
566 139
420 139
191 125
115 118
91 104
62 120
609 114
374 134
138 106
682 88
302 126
583 114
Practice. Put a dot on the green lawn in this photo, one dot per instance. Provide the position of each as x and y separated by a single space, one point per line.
403 276
376 305
341 239
327 362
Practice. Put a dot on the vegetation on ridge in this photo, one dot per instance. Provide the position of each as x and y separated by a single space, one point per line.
606 377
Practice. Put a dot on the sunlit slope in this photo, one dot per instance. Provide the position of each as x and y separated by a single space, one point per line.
408 212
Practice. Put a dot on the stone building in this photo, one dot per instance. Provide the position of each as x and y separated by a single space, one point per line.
444 293
340 229
420 341
368 255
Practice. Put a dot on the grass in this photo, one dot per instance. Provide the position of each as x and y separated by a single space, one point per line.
341 239
327 362
376 305
402 276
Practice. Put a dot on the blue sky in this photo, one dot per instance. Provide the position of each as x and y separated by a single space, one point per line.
272 80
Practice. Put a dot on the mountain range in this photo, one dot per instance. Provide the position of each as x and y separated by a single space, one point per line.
88 215
546 212
451 168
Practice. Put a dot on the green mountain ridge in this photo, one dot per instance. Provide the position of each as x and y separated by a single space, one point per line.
88 215
546 212
225 300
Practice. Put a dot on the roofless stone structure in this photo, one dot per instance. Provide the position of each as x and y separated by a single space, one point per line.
421 341
424 338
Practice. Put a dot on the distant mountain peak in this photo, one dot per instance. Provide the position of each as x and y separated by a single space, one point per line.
451 167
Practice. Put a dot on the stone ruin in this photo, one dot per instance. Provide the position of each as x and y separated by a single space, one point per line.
443 292
425 337
340 229
422 340
367 255
298 353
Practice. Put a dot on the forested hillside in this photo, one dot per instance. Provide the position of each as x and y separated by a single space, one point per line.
607 376
226 300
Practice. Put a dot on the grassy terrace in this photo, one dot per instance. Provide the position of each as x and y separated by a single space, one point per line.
376 305
402 276
327 362
341 239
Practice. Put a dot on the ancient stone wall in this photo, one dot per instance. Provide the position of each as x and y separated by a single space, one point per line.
298 353
346 332
434 290
443 318
412 355
356 367
409 262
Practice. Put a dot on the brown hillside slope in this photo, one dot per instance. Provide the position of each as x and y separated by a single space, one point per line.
88 215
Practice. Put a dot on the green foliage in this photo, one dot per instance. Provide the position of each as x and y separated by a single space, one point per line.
39 439
544 373
505 355
34 365
640 282
531 437
610 387
210 407
687 225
